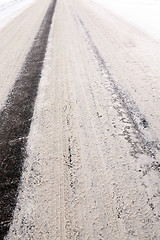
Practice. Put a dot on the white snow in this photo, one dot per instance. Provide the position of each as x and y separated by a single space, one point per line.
144 14
5 3
9 9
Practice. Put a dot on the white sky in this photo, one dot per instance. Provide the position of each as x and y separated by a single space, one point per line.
144 14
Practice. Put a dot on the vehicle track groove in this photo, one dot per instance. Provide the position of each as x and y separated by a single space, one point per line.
15 121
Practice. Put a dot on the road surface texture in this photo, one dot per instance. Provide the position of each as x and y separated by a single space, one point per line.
89 160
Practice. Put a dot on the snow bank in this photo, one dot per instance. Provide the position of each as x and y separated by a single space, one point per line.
9 9
8 3
144 14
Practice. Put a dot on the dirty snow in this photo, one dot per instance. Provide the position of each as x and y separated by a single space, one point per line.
144 14
89 173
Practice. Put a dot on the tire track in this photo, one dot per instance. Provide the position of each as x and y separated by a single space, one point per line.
15 121
95 92
15 44
148 144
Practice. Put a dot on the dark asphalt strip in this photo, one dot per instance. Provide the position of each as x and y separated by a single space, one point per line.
15 121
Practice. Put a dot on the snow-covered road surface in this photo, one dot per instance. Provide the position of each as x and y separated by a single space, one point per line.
93 152
144 14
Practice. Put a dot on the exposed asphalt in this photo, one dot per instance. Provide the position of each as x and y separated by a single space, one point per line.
15 121
79 133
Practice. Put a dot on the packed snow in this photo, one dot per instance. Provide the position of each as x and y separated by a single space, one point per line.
9 9
144 14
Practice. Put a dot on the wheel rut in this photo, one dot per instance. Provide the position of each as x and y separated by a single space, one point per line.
15 121
147 144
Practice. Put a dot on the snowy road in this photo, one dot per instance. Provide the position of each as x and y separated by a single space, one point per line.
144 14
93 151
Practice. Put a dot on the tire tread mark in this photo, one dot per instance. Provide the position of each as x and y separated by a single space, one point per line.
15 121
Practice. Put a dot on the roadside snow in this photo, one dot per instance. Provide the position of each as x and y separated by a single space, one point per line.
144 14
9 9
6 3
